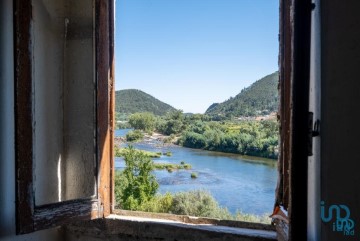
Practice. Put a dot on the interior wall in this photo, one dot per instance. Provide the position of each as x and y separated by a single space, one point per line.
7 132
64 100
340 128
313 227
79 101
48 68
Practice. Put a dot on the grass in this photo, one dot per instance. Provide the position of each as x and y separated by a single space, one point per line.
170 167
120 152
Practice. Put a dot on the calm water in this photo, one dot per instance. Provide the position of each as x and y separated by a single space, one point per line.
236 182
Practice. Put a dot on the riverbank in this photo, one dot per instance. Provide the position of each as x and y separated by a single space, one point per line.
237 182
161 140
155 136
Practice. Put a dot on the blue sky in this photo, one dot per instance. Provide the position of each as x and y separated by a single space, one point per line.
192 53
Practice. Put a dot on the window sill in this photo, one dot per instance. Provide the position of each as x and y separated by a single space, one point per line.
134 227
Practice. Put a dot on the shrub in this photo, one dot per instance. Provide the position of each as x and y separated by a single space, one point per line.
198 203
240 216
169 139
120 183
158 204
194 175
194 140
117 151
135 135
187 166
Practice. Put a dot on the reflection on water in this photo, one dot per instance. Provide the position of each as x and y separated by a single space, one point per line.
236 182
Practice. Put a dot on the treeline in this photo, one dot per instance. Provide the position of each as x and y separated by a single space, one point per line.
131 101
254 138
261 98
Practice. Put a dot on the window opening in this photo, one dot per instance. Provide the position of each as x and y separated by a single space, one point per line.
63 53
207 160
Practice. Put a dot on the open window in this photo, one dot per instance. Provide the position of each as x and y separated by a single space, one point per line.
64 100
63 111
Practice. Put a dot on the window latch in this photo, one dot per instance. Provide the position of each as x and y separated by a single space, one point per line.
313 130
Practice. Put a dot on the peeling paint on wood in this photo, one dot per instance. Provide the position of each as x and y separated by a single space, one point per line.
52 215
285 105
294 62
105 103
29 217
23 117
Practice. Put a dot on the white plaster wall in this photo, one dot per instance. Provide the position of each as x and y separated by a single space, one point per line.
314 106
79 102
7 148
64 96
48 68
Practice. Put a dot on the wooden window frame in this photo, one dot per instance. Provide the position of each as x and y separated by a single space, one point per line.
294 62
30 217
294 81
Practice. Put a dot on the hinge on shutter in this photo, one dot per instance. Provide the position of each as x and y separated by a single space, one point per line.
313 130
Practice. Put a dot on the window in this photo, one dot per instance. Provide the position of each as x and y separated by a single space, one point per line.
64 116
93 198
192 54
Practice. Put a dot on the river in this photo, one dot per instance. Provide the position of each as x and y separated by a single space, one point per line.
236 182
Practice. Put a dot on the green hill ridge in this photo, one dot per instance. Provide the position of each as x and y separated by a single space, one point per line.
130 101
260 98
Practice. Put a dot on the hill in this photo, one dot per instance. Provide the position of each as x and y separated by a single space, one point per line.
258 99
132 100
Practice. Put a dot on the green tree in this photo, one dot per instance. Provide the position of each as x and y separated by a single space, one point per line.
141 184
142 121
175 115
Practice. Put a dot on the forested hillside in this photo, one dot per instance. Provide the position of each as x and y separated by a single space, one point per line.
131 101
260 98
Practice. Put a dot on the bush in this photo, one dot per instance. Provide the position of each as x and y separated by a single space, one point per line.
198 203
194 140
194 175
122 125
117 151
240 216
187 166
120 183
158 204
135 135
169 139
